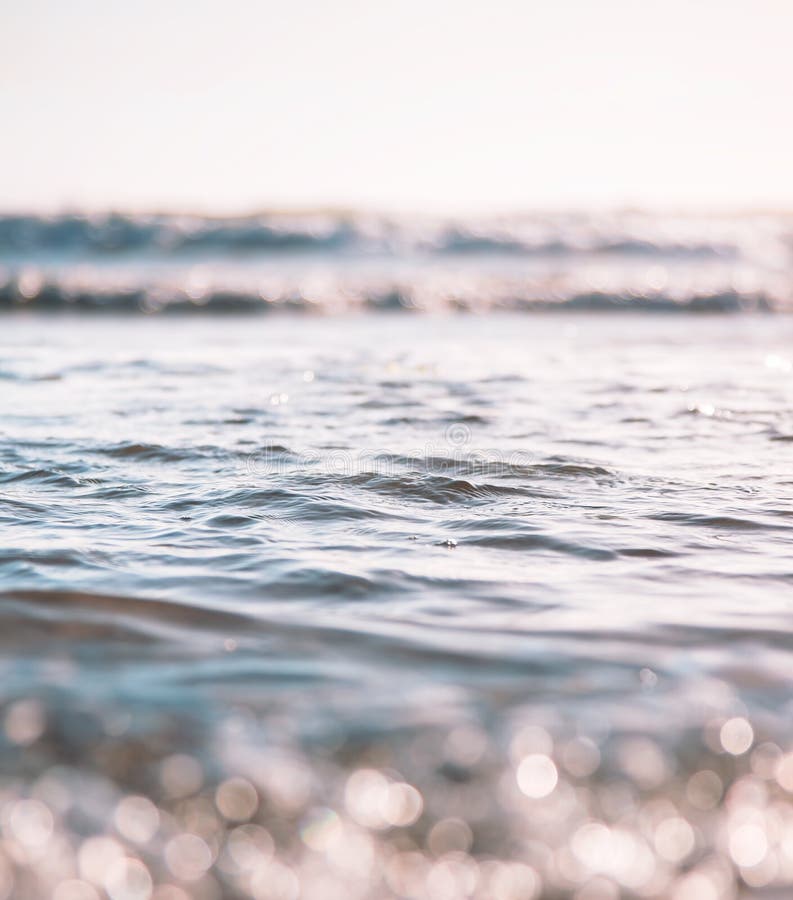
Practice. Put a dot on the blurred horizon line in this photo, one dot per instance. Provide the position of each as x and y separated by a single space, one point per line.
352 210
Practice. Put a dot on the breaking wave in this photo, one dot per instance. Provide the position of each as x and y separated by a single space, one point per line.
342 262
24 294
114 234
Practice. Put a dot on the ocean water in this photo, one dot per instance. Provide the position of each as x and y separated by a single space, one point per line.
335 262
474 582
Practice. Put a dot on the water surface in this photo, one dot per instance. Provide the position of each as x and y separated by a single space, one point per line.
390 604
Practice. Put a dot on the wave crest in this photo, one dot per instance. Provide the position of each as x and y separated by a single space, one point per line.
116 234
63 296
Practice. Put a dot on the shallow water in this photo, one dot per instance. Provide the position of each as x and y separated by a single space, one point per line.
395 606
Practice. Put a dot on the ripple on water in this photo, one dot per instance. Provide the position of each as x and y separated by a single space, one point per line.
328 664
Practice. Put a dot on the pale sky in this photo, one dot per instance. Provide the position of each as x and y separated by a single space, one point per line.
423 105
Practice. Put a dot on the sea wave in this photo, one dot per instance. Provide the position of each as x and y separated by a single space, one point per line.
167 235
31 293
118 233
330 262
